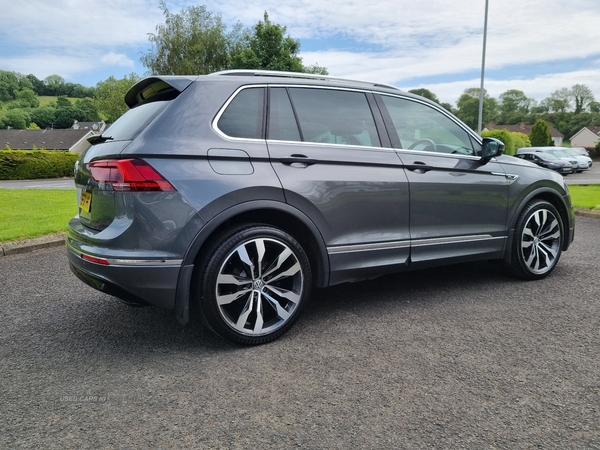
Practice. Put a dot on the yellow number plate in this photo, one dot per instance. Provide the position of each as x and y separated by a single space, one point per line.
86 201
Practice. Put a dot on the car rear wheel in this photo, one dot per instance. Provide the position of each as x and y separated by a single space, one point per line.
253 284
538 241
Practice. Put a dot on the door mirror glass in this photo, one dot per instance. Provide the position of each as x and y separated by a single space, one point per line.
491 148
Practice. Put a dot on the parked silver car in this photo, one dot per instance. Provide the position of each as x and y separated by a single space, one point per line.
547 160
241 191
559 152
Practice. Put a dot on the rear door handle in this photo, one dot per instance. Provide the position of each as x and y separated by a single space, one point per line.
300 161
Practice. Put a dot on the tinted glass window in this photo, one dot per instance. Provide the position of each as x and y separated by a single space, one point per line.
421 127
243 117
133 121
282 123
335 117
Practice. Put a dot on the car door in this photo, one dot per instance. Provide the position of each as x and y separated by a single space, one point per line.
458 205
325 147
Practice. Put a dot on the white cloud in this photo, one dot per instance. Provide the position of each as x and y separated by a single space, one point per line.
117 59
531 45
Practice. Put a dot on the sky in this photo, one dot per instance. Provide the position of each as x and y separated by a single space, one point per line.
535 46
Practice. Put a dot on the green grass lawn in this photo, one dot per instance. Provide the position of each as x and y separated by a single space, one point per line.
587 197
28 213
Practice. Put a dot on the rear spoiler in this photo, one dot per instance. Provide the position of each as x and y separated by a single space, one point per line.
159 87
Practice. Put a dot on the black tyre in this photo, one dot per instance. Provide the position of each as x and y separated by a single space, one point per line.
254 282
537 244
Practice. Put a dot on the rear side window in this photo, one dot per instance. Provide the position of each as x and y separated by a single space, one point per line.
282 122
243 117
324 116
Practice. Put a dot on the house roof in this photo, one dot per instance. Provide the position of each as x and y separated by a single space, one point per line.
41 139
522 128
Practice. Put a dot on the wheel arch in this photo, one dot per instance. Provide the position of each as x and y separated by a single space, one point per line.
267 212
551 196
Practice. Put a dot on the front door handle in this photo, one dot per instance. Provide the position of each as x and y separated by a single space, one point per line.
419 167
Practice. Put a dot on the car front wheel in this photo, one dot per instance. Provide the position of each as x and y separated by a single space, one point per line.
538 241
254 283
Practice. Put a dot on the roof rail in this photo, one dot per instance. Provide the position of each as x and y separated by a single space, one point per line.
308 76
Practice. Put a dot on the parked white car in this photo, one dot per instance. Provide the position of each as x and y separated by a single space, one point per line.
585 162
581 151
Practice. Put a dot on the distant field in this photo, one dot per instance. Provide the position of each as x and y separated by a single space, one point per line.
44 101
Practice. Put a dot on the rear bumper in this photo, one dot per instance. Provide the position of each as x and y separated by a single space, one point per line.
132 281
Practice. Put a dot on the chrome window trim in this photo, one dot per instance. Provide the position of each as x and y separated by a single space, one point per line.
441 110
226 137
283 85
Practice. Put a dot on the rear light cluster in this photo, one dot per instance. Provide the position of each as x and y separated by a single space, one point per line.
128 175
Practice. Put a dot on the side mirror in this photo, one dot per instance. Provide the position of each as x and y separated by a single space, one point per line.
491 148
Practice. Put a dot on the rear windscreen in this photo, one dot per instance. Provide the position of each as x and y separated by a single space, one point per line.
129 125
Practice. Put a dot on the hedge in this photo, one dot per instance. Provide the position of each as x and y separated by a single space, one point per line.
505 137
32 164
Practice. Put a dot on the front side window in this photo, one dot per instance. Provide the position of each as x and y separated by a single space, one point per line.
421 127
334 117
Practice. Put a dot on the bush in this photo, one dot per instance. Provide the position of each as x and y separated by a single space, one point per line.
504 136
520 140
25 164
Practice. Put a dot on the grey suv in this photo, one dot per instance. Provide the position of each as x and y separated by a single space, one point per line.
240 191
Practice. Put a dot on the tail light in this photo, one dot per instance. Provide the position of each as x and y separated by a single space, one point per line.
128 175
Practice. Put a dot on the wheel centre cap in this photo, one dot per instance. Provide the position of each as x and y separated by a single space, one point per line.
258 284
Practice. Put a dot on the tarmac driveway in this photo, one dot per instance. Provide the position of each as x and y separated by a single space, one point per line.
457 357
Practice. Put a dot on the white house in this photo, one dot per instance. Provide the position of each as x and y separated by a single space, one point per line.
586 137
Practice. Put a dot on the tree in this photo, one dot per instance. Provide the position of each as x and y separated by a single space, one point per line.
17 118
195 41
44 117
582 96
425 93
540 134
54 84
191 42
560 100
267 47
110 96
28 99
594 106
468 107
63 102
65 117
514 105
38 85
89 108
9 85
